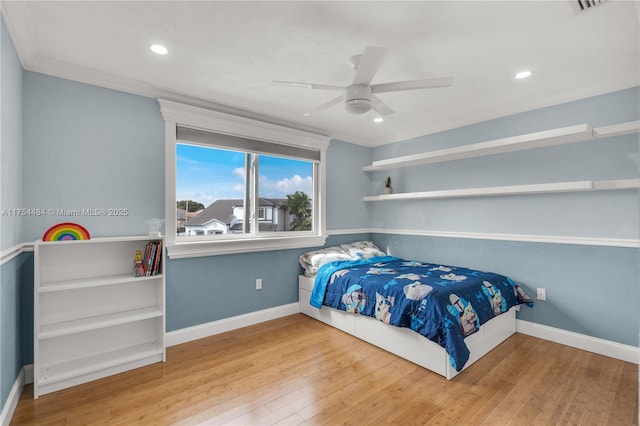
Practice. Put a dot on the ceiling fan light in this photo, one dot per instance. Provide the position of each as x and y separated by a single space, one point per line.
358 106
523 74
158 49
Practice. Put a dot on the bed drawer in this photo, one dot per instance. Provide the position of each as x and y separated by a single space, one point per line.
327 315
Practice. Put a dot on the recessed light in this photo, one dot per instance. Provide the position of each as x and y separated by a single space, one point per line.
159 49
378 120
523 74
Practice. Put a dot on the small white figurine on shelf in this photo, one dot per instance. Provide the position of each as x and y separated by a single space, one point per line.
138 268
154 227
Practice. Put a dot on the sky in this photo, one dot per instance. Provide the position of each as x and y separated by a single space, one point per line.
206 174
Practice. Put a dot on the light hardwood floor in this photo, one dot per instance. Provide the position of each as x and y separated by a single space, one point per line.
295 370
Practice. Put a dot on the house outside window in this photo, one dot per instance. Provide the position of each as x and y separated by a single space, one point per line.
262 184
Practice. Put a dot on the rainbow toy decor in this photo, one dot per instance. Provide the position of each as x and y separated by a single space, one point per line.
66 231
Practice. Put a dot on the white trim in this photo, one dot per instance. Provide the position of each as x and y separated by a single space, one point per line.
575 340
234 125
213 248
553 239
15 251
176 114
530 238
28 374
170 208
349 231
200 331
12 399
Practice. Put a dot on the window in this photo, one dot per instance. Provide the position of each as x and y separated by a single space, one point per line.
236 187
256 185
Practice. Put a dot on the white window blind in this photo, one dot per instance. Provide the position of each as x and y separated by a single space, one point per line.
203 137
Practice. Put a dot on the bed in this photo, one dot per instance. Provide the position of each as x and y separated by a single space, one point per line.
441 317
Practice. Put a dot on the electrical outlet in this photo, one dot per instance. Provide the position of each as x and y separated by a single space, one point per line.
258 283
542 294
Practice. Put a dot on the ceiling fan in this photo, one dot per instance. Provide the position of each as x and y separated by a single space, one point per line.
360 96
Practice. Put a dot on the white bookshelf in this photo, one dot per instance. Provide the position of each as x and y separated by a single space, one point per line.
92 317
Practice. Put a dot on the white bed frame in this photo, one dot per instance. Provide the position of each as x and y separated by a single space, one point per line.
404 342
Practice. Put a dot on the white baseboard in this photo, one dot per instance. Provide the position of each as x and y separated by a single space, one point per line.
12 399
575 340
188 334
28 373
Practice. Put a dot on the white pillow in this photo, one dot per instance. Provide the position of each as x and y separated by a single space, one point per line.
362 249
312 261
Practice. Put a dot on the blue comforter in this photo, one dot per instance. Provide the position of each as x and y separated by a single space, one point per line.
443 303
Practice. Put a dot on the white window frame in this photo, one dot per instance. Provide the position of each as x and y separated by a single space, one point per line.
177 114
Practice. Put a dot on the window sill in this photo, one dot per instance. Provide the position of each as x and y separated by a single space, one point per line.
213 248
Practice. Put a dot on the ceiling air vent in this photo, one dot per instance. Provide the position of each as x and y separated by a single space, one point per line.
588 4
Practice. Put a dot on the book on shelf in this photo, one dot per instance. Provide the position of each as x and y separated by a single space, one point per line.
152 258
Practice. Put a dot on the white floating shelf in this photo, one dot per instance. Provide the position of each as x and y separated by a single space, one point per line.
46 287
87 324
561 136
620 129
543 188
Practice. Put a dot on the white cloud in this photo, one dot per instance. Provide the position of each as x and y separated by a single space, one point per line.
280 188
239 172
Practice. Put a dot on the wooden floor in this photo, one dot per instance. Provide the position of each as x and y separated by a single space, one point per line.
295 370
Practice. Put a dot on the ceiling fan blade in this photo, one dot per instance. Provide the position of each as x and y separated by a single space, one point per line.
326 105
306 85
425 83
369 63
380 107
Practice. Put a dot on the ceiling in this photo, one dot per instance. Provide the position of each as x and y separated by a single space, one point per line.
225 55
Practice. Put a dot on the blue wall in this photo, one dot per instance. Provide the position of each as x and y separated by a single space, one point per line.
14 327
590 289
346 185
11 272
11 124
611 214
88 147
120 141
205 289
